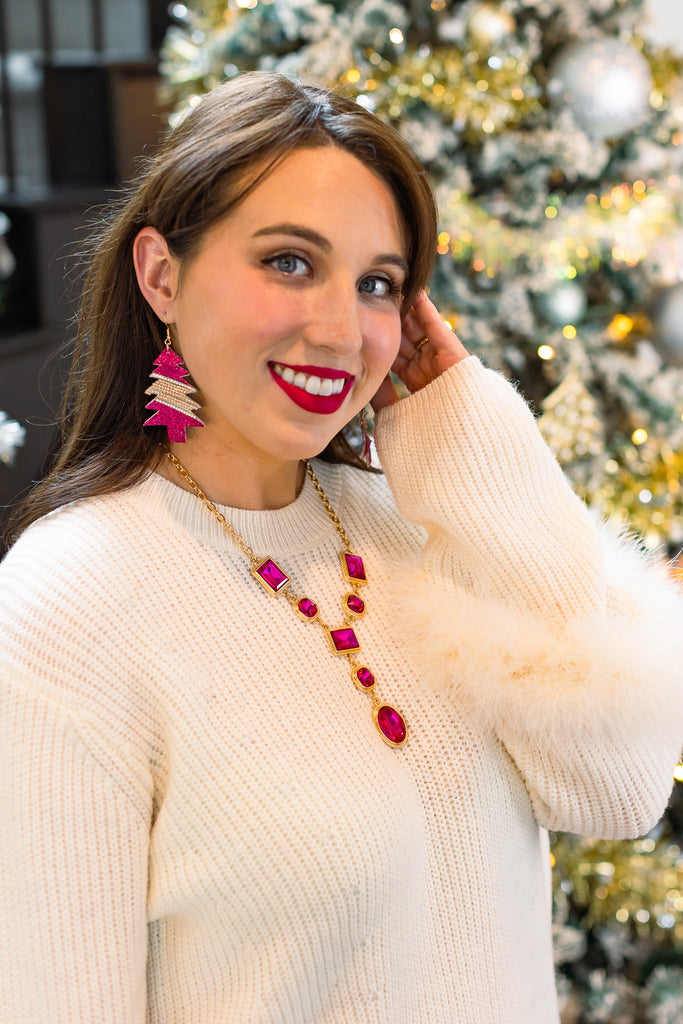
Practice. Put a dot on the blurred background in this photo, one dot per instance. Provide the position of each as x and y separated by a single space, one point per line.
79 103
553 134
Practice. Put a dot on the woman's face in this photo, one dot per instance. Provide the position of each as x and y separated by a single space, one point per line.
288 318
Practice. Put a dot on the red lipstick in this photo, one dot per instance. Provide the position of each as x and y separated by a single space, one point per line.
322 404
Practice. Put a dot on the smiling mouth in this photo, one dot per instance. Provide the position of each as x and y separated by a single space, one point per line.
313 388
310 382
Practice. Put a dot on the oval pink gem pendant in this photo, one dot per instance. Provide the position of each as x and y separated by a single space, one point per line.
365 677
391 725
307 608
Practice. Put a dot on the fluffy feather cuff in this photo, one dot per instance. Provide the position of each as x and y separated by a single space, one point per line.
600 676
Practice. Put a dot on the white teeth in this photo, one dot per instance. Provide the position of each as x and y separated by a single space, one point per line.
311 384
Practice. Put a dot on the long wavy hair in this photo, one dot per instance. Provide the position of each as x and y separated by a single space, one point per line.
205 165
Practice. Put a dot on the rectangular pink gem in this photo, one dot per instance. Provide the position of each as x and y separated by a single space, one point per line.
272 575
355 567
344 640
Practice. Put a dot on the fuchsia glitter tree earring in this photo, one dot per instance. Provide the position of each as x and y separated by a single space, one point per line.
172 405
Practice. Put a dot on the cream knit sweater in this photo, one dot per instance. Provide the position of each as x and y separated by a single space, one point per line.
200 823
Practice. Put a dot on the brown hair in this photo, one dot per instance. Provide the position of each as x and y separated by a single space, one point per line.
203 168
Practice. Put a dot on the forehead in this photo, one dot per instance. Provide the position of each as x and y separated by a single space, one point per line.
325 186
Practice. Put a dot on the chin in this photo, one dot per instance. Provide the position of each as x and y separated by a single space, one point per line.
308 447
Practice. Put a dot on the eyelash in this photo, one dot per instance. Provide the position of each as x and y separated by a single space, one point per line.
393 289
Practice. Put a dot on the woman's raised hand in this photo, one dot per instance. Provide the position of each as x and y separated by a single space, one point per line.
428 348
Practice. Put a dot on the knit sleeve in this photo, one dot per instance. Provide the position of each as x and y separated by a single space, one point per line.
545 627
73 850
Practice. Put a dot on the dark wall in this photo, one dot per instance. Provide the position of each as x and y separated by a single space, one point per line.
79 106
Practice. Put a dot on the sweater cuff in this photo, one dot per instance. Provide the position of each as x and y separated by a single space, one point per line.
465 459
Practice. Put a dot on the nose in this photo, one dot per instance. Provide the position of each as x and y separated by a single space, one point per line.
334 319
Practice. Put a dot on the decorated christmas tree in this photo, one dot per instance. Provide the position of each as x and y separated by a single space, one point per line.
553 135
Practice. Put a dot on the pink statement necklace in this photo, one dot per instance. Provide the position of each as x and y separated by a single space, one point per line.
341 641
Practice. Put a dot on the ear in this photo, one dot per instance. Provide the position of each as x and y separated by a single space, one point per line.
157 272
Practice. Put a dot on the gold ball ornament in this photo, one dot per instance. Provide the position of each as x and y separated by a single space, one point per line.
488 25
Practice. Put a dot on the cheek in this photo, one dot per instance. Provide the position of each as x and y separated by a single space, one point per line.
260 318
384 349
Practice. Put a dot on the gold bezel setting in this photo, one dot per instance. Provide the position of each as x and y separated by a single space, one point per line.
375 717
281 585
354 581
345 650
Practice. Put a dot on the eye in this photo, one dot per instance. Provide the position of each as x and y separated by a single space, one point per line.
288 263
379 287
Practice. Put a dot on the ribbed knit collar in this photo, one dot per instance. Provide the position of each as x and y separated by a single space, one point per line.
294 529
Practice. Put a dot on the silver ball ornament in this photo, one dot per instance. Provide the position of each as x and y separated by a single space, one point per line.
667 322
563 303
646 160
488 26
605 83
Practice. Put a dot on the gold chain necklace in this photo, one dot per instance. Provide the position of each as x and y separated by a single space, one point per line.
341 641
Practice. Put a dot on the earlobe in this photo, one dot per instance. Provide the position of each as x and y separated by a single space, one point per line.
156 271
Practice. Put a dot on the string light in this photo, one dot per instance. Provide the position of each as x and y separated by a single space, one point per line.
620 327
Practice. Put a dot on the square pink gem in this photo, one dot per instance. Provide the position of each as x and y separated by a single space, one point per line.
272 575
344 640
354 567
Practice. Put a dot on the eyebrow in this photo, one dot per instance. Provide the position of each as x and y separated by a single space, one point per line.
323 243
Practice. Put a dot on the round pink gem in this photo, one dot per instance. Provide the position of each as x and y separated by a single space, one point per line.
391 724
355 604
365 677
307 608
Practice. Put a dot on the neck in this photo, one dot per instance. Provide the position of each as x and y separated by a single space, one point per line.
236 483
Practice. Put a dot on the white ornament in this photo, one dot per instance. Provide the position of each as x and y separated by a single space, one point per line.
7 261
668 325
647 159
563 303
664 259
11 437
605 83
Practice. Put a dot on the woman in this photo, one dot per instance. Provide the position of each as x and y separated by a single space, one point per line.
281 741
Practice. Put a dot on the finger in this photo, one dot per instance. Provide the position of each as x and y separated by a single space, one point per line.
434 328
428 319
